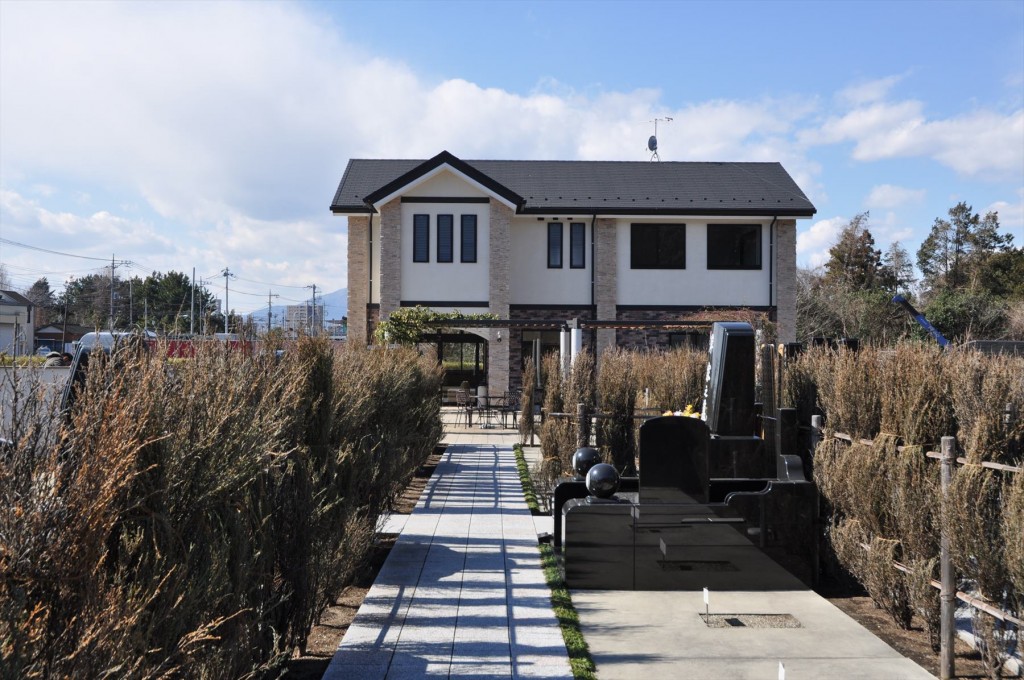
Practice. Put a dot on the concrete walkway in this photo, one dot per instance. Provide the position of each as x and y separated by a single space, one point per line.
462 593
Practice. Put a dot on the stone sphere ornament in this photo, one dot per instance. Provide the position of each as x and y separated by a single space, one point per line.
602 480
585 458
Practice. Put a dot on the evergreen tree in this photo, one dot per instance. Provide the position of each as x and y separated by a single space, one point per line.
853 261
957 250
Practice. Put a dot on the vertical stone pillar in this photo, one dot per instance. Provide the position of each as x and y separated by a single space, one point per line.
390 257
605 279
499 268
358 279
785 279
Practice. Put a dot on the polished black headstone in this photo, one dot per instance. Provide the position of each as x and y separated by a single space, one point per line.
673 460
729 393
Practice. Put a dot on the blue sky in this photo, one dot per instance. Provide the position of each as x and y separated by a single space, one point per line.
213 135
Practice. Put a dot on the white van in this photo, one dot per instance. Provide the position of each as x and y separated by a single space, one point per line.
106 339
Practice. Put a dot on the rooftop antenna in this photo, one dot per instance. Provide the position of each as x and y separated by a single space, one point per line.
652 142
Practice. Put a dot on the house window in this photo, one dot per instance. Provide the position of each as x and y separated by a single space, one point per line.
421 238
577 245
468 238
734 246
657 246
445 236
554 245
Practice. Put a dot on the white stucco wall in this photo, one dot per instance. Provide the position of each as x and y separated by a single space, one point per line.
456 280
696 284
532 281
445 183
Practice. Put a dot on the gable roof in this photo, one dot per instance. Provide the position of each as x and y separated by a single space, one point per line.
600 187
9 297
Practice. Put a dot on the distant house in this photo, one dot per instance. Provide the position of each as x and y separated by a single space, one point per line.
16 323
634 243
56 336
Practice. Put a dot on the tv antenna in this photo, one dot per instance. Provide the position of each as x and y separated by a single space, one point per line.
652 142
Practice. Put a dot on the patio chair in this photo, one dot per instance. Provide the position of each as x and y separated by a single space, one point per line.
462 406
510 405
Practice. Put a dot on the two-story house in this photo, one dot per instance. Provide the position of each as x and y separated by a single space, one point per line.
631 242
17 323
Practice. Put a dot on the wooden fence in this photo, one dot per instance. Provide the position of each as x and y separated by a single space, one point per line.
946 585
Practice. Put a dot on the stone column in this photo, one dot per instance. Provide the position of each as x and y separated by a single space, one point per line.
785 279
358 279
605 279
390 257
499 294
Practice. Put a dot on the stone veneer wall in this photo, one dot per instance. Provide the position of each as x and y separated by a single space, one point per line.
358 279
606 279
658 338
390 257
499 295
557 315
785 278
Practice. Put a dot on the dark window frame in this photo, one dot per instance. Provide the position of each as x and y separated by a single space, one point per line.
737 255
421 239
577 245
555 239
448 256
467 225
658 234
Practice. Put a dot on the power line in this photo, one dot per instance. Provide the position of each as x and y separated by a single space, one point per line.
51 252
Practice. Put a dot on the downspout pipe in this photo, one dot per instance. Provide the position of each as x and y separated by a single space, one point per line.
771 263
593 275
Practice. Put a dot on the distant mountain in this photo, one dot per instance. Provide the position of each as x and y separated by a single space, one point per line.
335 306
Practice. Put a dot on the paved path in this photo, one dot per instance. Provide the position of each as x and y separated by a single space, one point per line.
462 593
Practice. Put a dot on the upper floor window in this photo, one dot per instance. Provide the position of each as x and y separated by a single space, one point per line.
577 245
554 245
468 251
445 238
657 246
421 238
734 246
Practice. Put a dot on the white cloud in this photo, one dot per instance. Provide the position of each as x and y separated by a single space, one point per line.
980 143
812 244
888 196
1011 216
866 92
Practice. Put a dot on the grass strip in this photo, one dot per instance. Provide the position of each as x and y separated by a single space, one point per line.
561 601
525 480
568 620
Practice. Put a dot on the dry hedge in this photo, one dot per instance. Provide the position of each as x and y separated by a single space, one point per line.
193 518
889 498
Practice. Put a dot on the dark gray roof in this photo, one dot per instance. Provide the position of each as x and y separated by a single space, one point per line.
9 297
603 187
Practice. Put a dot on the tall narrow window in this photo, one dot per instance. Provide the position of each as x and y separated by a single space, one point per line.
421 238
468 252
554 245
445 236
577 245
734 246
657 246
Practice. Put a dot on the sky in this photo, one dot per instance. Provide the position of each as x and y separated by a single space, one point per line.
172 135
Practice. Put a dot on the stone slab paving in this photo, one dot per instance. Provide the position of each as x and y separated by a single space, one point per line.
462 593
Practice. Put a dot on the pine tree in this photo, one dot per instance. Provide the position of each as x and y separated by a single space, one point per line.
854 262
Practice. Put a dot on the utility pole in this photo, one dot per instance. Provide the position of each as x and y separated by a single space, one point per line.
113 265
312 318
227 308
192 306
270 296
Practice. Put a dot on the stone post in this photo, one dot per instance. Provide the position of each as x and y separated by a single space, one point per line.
358 279
499 293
